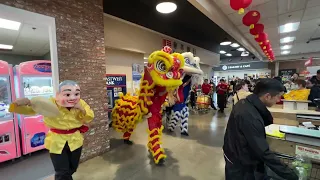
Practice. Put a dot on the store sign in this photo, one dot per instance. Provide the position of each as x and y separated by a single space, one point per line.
308 152
116 80
287 72
242 66
43 67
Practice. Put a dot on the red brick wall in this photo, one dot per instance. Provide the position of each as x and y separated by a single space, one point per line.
81 56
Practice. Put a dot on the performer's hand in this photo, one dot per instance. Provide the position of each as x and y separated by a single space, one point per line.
22 102
78 106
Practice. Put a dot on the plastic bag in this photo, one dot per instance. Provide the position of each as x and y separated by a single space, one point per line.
302 166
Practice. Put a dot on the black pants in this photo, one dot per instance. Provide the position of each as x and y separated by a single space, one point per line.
66 163
221 101
193 99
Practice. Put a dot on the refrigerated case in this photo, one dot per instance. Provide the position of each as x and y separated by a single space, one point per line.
33 78
9 134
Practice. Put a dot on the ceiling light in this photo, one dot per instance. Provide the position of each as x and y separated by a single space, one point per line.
222 52
228 54
4 46
8 24
241 49
289 27
287 39
225 43
245 53
234 45
285 52
166 7
285 47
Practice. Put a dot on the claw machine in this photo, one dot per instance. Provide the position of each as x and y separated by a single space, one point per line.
33 78
9 133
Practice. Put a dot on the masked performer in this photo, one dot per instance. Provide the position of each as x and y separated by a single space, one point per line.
180 111
64 140
161 77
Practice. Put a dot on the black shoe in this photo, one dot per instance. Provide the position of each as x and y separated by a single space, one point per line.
161 162
185 134
126 141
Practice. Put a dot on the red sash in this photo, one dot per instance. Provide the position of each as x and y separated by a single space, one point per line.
82 129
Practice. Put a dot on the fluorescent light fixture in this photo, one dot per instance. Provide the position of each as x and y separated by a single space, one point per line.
228 54
234 45
145 57
289 27
245 53
166 7
8 24
285 52
4 46
225 43
222 52
287 39
241 49
285 47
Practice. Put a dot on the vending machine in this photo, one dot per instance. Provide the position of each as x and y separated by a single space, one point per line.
9 133
33 78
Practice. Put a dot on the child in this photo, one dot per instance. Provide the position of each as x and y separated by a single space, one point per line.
64 140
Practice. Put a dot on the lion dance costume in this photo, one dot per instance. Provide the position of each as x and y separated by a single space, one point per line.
161 76
180 111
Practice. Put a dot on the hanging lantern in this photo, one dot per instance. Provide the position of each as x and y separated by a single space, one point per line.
251 18
264 42
257 29
261 37
240 5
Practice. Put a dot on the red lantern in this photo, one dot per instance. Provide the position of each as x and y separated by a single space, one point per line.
240 5
261 37
257 29
251 18
264 42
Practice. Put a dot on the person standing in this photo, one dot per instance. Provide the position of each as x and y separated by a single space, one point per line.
246 150
222 89
64 140
241 92
206 87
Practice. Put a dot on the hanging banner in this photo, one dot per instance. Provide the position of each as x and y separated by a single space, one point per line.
308 62
137 71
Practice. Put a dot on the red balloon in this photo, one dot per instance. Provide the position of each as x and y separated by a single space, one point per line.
261 37
240 5
257 29
251 18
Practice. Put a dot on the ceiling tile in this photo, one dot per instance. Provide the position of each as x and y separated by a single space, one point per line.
311 13
313 3
268 9
304 34
272 33
8 37
258 2
33 32
295 16
243 28
224 6
270 22
310 24
286 6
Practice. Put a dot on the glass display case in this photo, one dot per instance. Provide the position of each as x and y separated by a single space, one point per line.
37 86
5 98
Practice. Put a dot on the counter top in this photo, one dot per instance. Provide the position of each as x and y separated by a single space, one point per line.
309 112
300 131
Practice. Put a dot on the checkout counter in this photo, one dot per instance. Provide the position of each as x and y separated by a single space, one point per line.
287 138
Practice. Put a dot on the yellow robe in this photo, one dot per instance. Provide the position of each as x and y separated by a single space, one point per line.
67 120
299 95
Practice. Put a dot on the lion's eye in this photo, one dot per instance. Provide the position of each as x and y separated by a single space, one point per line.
161 66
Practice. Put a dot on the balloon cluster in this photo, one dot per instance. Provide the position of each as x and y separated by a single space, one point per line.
251 19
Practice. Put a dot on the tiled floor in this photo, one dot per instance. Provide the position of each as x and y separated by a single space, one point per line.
197 157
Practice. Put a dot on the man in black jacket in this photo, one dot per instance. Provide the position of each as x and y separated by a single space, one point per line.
246 150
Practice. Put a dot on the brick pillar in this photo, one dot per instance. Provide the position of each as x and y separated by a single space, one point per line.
81 57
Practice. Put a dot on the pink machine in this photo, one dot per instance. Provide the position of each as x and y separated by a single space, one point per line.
33 78
9 131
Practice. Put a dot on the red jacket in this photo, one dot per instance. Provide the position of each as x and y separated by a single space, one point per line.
206 88
222 88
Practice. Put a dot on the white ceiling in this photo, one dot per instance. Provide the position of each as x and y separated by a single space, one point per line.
279 12
27 40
